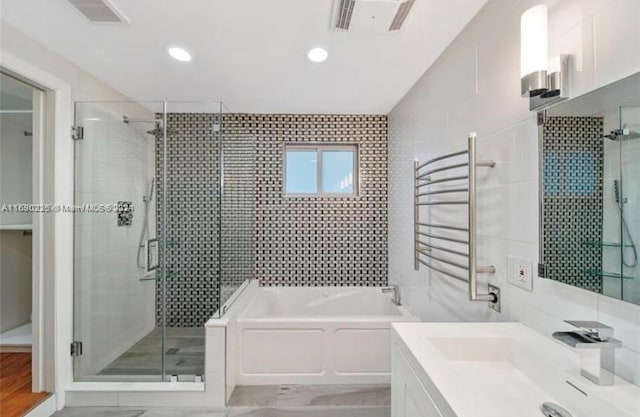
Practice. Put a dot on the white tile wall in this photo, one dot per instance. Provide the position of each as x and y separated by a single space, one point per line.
474 86
113 308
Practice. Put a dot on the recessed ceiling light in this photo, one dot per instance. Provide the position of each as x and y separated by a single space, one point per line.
179 53
317 54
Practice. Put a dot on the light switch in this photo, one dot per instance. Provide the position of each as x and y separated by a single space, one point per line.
520 272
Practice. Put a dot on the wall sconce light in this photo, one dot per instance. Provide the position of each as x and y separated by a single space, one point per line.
543 81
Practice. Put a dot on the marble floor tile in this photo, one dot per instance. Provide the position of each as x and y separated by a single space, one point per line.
184 354
334 395
312 412
310 395
234 412
254 396
99 412
183 412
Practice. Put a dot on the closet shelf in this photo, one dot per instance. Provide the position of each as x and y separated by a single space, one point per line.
16 227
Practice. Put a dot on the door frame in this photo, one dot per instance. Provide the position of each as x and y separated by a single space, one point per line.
52 232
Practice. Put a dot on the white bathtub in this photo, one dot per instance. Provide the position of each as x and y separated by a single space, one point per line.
315 335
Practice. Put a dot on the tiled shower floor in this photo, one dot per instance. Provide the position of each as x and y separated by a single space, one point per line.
184 354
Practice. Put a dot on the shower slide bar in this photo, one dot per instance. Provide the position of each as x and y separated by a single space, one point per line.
425 249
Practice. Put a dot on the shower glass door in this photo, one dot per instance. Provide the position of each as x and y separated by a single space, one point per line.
629 207
118 324
163 234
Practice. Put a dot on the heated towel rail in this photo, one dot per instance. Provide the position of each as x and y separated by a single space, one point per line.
425 194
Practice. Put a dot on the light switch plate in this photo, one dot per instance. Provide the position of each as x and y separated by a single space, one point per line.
520 272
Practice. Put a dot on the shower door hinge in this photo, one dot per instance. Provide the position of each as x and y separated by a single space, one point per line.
76 348
77 132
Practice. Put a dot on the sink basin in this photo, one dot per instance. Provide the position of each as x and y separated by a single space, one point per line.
506 370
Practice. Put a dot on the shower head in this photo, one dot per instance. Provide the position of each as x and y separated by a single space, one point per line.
158 131
622 134
616 190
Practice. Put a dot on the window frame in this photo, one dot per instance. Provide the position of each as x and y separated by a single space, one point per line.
320 148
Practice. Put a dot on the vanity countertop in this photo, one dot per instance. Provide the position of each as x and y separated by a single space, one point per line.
505 370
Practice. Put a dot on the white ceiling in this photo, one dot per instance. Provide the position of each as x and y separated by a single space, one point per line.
250 54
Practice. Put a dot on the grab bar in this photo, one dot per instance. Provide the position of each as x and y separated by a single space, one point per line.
422 248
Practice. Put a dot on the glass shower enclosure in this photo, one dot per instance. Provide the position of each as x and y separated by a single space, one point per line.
149 236
621 199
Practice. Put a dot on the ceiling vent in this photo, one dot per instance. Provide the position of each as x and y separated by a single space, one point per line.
99 11
375 16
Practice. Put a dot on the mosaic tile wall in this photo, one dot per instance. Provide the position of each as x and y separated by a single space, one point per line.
305 241
238 218
280 241
573 192
193 208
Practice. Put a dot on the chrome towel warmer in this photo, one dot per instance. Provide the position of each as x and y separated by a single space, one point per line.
423 180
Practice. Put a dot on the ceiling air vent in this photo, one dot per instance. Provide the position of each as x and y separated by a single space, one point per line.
375 16
99 11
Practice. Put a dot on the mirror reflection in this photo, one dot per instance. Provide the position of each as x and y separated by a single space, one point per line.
590 193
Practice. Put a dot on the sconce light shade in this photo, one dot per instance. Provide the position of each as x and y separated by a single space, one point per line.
533 50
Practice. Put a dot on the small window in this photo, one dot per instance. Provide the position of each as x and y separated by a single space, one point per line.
319 170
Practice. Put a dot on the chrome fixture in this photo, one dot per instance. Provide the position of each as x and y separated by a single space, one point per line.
622 135
591 335
554 410
144 246
427 248
396 293
620 202
543 81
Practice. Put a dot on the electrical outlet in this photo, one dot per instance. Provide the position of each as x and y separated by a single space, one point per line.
520 272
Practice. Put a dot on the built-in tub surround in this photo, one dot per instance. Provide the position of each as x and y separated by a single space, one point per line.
473 86
320 335
311 335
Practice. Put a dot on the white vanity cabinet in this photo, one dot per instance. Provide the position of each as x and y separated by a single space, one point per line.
494 370
409 397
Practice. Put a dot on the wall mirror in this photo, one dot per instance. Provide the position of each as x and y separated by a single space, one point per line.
590 191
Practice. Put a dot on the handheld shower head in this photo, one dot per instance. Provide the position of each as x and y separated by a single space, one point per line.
149 198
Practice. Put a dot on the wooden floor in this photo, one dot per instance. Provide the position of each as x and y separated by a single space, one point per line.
16 397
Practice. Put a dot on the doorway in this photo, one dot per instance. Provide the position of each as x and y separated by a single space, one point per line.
20 124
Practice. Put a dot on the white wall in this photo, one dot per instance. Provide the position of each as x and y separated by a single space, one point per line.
475 86
15 188
15 165
71 83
